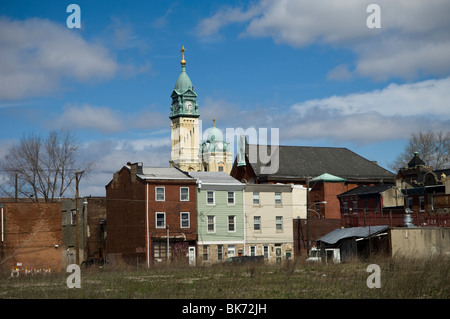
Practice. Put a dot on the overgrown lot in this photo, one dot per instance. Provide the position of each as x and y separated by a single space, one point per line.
399 279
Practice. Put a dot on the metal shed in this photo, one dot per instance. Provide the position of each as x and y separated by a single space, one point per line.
356 241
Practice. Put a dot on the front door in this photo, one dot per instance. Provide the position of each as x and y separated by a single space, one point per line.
278 255
191 256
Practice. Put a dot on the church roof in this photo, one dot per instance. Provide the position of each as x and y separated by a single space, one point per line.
415 161
300 162
183 83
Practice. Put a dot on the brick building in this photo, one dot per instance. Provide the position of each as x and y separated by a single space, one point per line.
151 215
31 236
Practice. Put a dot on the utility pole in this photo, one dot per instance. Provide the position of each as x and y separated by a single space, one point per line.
77 226
307 216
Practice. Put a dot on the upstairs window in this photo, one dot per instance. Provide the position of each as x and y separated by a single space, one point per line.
160 193
278 199
210 198
184 220
160 220
230 199
184 194
255 198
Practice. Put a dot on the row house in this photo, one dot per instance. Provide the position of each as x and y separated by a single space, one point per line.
152 215
220 216
165 214
269 214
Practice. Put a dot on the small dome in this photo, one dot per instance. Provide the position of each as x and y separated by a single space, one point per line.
215 135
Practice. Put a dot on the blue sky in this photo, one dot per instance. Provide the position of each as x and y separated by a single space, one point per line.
313 69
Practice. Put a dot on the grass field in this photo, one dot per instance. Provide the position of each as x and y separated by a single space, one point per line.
400 279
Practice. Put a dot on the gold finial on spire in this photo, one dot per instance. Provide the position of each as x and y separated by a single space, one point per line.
183 61
214 121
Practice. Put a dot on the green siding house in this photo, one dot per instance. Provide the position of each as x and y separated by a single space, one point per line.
220 216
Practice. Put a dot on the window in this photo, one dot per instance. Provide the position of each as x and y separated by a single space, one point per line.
231 251
355 207
211 224
160 220
220 168
278 199
231 223
266 252
257 223
255 198
345 207
422 203
210 198
184 194
252 251
410 203
219 252
205 253
159 194
73 217
230 198
160 250
279 222
184 220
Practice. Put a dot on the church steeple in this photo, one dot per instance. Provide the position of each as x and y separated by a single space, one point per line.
184 98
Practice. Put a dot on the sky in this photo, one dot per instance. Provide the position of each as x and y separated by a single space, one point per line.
325 73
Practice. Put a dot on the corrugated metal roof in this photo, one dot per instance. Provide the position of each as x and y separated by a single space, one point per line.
162 173
215 178
359 232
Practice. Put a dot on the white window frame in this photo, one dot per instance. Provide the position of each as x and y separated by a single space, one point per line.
280 199
188 220
181 197
228 198
234 223
156 193
213 198
257 198
252 250
156 220
279 222
214 224
257 218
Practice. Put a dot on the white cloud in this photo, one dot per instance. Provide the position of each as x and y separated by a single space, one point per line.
413 39
90 117
106 120
36 54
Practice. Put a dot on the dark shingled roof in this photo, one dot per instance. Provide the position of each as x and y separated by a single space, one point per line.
300 162
365 190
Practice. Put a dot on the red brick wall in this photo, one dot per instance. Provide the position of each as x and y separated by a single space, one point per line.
31 231
126 215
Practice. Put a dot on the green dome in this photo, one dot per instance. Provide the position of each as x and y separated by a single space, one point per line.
215 135
183 82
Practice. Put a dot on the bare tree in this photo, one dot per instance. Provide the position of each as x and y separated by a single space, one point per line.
433 148
41 168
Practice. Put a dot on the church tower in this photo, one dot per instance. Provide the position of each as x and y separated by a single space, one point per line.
188 154
184 125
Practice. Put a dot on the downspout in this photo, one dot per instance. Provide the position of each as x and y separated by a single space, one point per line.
245 217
